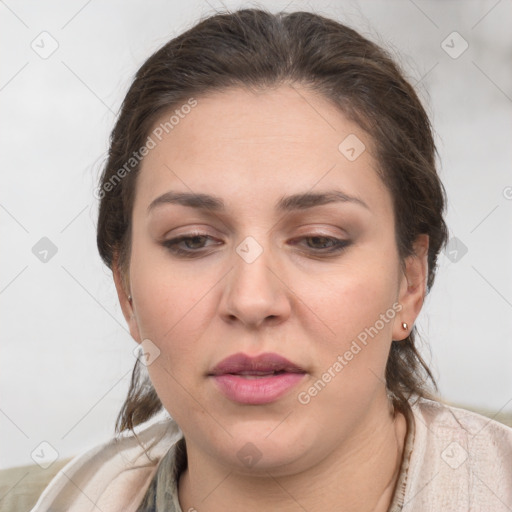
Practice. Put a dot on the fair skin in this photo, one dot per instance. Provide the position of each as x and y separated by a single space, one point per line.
342 450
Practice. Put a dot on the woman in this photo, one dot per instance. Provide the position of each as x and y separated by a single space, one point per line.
272 216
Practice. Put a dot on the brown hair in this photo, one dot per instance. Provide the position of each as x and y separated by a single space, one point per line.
255 48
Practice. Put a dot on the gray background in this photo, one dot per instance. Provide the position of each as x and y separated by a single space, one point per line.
66 354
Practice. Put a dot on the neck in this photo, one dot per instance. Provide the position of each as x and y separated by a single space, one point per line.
360 475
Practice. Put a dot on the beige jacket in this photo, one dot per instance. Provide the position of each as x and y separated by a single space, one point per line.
454 461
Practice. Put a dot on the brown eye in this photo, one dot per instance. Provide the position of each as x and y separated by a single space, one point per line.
193 244
325 244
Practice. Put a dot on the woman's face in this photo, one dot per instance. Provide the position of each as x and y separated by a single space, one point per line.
294 257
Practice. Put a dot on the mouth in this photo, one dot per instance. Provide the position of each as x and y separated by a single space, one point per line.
261 365
256 380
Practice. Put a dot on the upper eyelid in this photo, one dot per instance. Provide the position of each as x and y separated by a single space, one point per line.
309 231
207 235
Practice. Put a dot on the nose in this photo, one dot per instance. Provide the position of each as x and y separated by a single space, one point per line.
256 292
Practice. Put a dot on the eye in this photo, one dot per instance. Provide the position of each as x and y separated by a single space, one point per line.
325 244
194 243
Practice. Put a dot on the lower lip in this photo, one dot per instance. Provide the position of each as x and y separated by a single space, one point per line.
261 390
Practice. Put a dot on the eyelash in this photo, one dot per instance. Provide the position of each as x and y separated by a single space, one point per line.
172 245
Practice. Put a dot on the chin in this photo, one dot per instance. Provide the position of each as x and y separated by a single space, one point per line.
266 447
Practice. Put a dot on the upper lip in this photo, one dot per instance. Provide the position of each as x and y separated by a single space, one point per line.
263 363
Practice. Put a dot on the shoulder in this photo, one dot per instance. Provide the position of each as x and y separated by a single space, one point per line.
460 460
113 475
478 435
439 414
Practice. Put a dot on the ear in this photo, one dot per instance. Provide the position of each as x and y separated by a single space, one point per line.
413 287
123 287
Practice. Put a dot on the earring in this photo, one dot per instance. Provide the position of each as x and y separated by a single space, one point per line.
404 326
130 298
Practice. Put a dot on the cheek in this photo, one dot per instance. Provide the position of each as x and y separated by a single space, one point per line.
358 306
351 363
173 312
170 312
354 298
171 306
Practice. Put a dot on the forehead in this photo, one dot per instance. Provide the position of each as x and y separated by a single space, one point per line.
253 145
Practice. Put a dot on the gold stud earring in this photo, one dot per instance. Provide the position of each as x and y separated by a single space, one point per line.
130 298
404 326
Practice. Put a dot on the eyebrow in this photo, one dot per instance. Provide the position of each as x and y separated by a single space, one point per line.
285 204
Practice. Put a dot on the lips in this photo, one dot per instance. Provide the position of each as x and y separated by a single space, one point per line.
264 364
256 380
